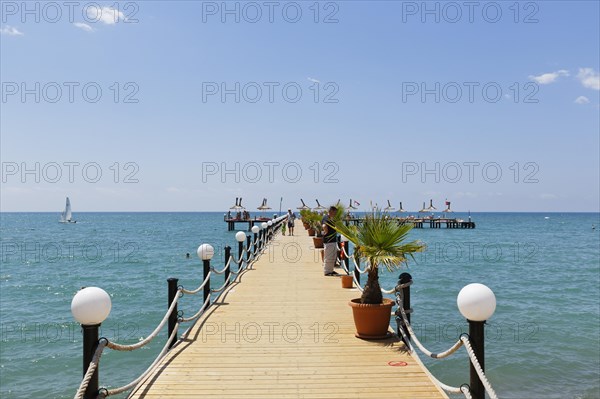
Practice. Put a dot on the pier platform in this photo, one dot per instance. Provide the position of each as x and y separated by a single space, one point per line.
283 330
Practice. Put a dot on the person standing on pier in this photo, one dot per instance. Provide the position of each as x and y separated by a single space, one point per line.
290 221
329 242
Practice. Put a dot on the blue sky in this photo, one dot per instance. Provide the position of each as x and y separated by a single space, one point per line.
163 137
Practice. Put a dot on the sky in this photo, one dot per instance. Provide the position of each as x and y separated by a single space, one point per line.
186 105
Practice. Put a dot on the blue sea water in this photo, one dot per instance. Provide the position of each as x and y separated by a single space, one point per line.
542 342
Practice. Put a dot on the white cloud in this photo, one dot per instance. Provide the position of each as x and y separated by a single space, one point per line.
589 78
11 31
83 26
106 15
550 77
582 100
313 80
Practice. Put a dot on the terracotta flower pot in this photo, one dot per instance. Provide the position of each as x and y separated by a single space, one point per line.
311 232
347 281
371 321
305 225
318 242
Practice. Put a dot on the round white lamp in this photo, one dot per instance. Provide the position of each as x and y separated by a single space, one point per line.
91 306
269 223
205 252
264 225
240 236
476 302
255 229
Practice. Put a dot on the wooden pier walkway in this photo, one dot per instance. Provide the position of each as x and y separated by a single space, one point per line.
283 330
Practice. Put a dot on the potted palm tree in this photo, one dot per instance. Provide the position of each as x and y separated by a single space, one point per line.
381 242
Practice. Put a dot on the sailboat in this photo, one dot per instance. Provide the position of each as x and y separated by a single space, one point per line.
65 216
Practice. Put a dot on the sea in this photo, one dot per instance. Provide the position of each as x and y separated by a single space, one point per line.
543 340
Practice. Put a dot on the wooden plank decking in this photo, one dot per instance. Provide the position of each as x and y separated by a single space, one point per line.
283 330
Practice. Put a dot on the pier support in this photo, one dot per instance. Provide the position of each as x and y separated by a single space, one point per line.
476 336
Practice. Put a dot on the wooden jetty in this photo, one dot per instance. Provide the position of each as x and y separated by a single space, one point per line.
283 330
232 222
419 223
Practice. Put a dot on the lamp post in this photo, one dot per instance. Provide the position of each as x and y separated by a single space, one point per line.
90 307
263 231
477 303
255 231
240 237
205 252
270 228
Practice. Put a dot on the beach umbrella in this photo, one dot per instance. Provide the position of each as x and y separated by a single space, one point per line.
304 206
264 206
350 206
448 210
431 207
389 208
238 204
319 206
400 209
424 210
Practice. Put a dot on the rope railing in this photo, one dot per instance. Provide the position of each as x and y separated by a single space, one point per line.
104 392
247 257
198 313
405 329
197 290
91 369
145 341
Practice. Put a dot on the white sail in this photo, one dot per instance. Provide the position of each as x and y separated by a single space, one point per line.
65 216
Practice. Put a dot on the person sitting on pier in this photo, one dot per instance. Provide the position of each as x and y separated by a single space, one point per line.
329 243
290 221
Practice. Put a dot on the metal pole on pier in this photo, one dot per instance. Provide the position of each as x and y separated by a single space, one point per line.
227 256
172 292
205 253
356 272
477 303
405 278
240 236
90 307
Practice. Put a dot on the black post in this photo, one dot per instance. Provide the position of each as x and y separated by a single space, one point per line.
90 343
347 257
248 247
338 241
356 272
172 292
227 256
206 264
255 244
405 278
476 336
240 252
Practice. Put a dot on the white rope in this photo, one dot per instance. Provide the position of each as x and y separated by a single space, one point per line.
206 280
241 259
224 268
361 289
445 387
91 369
223 286
198 313
119 347
361 271
133 383
432 355
477 366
